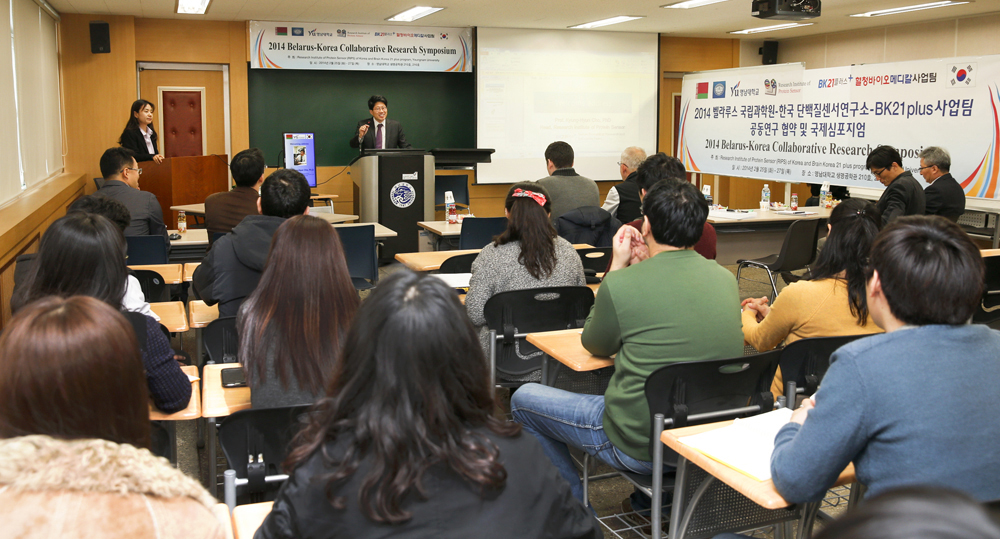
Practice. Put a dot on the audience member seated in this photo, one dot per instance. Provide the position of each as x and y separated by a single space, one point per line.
121 182
913 406
74 433
83 254
405 442
903 194
832 301
837 192
134 299
624 201
223 211
567 189
528 254
660 303
233 266
943 195
292 326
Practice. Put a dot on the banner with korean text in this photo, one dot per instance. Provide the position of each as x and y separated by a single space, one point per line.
297 45
790 124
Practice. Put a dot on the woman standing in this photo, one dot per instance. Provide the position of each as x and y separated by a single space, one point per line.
138 135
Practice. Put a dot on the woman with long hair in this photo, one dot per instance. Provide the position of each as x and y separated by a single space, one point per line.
405 444
832 302
529 254
292 327
138 134
83 254
74 432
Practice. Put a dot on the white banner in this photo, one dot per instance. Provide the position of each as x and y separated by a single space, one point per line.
297 45
795 125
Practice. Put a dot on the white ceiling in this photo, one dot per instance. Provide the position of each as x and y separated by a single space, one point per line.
710 21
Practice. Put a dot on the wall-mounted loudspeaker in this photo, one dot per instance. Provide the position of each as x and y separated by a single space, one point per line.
100 37
769 52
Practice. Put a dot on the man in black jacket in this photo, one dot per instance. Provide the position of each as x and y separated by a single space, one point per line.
232 268
378 132
121 182
944 196
624 201
903 194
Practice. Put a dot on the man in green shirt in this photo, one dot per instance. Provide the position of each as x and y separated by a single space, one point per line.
660 303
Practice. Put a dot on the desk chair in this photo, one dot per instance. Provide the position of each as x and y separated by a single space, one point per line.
478 232
221 341
154 288
989 308
797 252
146 250
99 182
161 444
511 315
362 257
457 184
594 261
804 363
458 263
255 443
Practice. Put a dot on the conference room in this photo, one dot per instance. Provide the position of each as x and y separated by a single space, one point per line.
504 81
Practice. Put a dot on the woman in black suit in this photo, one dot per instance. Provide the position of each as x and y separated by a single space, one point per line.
134 136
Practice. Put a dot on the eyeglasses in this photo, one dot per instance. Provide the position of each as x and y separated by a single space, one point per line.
137 170
928 166
877 174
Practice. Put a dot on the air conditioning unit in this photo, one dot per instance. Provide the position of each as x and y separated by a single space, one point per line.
786 10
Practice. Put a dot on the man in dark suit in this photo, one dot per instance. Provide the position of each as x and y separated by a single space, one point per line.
903 194
223 211
378 132
944 196
121 182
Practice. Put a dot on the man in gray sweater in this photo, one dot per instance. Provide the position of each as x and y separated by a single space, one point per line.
917 404
567 189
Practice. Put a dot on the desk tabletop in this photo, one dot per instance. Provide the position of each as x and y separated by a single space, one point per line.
441 228
218 401
565 347
432 260
200 315
172 315
171 273
762 493
333 218
775 217
989 252
198 209
193 237
193 410
323 196
247 518
221 512
189 270
381 231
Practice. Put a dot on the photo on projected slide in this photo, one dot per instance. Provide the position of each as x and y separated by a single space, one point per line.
299 148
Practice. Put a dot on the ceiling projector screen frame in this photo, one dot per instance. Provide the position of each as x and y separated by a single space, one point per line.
598 91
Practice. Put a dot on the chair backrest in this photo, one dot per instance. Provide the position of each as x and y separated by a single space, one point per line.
222 343
805 361
265 432
154 288
160 444
457 184
99 182
214 237
596 259
799 247
532 310
458 263
478 232
359 249
680 390
145 250
989 308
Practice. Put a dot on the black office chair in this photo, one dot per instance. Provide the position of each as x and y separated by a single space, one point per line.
255 443
222 343
154 288
99 182
145 250
161 441
457 184
989 308
214 237
588 224
458 263
594 261
804 363
478 232
797 251
510 316
362 258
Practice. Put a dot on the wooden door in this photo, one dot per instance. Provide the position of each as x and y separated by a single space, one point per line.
213 131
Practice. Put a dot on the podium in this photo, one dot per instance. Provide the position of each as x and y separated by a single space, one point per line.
184 180
396 189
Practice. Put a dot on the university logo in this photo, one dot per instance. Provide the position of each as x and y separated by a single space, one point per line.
402 195
719 89
770 87
341 33
298 31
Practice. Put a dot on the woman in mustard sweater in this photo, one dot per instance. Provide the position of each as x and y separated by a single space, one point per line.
832 302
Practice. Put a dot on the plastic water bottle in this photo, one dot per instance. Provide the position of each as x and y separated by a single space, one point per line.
182 222
795 201
707 191
822 194
449 204
765 196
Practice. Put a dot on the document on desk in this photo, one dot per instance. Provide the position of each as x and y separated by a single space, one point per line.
746 445
795 212
454 280
732 214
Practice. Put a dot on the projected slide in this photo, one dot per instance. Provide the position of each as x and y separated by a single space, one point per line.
595 90
300 155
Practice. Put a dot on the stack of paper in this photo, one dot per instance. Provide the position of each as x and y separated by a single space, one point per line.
746 445
454 280
731 214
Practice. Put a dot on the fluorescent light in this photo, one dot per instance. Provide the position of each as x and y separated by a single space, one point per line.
606 22
688 4
771 28
192 7
413 14
907 9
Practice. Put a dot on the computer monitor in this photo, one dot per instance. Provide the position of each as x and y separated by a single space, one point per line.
300 154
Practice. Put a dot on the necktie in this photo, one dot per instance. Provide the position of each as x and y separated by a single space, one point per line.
378 136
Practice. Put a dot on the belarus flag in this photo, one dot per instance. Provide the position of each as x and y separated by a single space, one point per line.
702 90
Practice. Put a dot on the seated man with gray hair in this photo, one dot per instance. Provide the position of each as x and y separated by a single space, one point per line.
944 196
624 201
